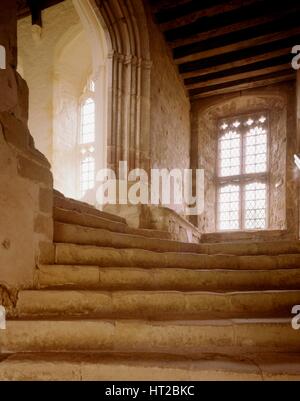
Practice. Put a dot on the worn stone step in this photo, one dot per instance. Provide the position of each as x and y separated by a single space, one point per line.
130 278
86 230
252 248
156 304
74 234
89 220
68 254
248 236
175 337
148 367
70 204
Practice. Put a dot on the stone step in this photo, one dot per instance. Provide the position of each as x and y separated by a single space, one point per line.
157 305
130 278
70 204
173 337
76 228
89 220
74 234
252 248
68 254
248 236
148 367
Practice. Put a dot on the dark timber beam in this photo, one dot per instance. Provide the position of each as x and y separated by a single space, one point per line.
244 84
200 33
240 76
284 59
239 55
237 45
166 6
237 63
287 23
24 7
206 12
36 12
226 46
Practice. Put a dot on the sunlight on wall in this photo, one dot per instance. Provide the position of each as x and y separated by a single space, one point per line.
72 50
69 80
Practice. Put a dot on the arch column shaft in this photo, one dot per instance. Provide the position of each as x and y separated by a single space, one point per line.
129 126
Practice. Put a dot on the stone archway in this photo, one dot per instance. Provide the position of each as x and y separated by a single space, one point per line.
128 136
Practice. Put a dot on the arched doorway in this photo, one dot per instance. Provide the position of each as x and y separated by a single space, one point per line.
89 44
80 106
67 74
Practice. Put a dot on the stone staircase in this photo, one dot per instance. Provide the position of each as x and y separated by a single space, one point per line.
121 303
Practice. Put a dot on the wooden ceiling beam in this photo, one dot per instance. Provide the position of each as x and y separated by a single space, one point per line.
284 24
206 12
237 63
243 75
24 9
256 65
160 6
230 28
244 86
239 55
223 47
36 12
239 45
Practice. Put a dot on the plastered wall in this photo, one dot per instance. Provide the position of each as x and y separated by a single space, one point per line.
37 63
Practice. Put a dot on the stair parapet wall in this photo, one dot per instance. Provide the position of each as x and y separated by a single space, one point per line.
26 181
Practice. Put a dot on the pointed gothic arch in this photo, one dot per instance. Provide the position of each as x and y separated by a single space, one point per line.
128 129
119 61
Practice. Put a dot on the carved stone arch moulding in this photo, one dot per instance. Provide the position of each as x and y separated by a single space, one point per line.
128 63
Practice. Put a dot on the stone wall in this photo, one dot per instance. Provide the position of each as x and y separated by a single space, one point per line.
26 225
279 101
169 119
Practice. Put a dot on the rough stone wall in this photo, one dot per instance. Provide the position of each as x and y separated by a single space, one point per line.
26 224
170 135
170 107
292 200
203 156
36 60
279 101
